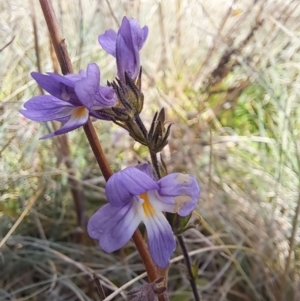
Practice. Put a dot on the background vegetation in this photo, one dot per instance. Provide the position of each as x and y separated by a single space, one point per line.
227 73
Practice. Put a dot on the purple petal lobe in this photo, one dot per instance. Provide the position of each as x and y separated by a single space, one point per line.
113 226
67 85
125 184
161 240
105 97
67 80
58 85
48 83
130 40
139 35
183 188
75 77
87 87
125 29
146 168
127 59
108 41
126 54
45 108
91 94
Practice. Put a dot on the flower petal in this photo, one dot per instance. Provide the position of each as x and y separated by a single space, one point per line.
91 94
67 80
127 58
161 240
112 226
127 53
146 168
125 184
79 117
76 77
125 46
162 203
67 85
45 108
87 87
183 188
58 85
139 35
105 97
108 41
48 83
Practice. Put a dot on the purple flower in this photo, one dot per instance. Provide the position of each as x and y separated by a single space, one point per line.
134 196
125 46
73 98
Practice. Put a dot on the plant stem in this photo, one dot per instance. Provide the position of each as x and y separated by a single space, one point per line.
65 63
100 290
189 267
58 41
97 150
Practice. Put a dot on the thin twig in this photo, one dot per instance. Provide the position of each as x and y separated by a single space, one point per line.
66 66
81 35
189 267
7 44
164 52
36 39
100 289
178 21
112 13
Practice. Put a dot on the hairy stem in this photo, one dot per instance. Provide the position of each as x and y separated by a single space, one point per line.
65 63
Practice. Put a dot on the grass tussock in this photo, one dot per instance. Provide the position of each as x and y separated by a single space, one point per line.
228 75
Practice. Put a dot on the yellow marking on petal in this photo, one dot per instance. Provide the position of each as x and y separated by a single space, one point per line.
80 112
147 207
